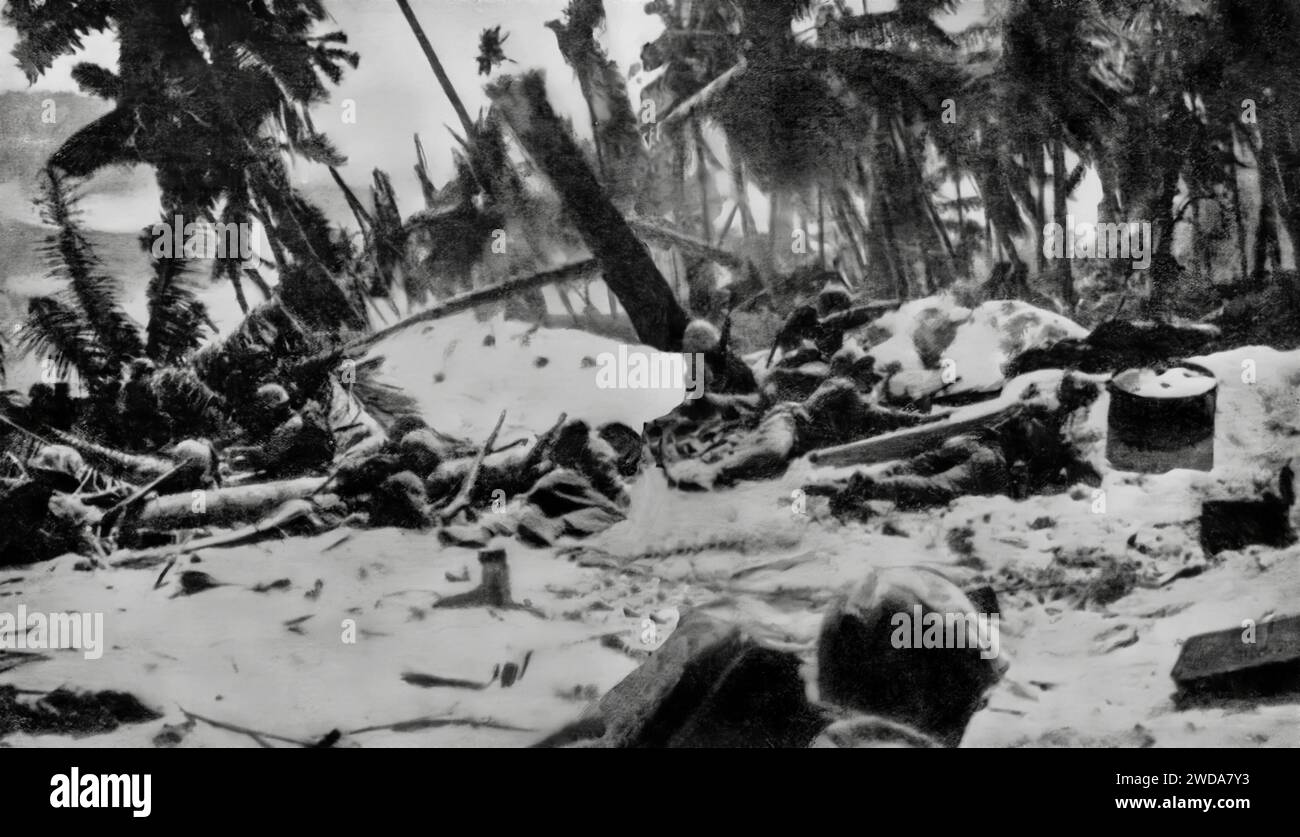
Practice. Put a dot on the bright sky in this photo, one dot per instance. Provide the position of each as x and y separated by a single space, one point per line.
395 92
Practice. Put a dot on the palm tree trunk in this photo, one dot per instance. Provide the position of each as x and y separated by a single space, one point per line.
1040 217
702 179
918 175
239 292
821 230
856 249
738 186
891 245
629 270
961 220
1064 274
438 71
1236 210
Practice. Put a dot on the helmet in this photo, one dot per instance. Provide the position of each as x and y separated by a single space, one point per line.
141 366
833 297
193 452
700 336
58 460
272 395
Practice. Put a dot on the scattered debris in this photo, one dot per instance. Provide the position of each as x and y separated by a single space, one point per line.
68 712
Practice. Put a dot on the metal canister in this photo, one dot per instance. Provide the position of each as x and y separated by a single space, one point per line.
1162 418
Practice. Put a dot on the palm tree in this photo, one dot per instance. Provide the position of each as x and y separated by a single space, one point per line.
198 85
83 326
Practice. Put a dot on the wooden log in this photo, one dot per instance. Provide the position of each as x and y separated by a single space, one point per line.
908 442
290 512
223 506
629 271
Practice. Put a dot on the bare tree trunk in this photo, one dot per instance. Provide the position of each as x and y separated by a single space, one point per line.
747 226
1040 218
628 268
438 71
849 234
702 178
1064 274
1236 209
821 230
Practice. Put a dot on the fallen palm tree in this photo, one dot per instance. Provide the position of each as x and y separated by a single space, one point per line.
222 506
287 513
131 467
466 301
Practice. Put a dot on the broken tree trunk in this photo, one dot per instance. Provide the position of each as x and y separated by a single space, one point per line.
128 466
223 507
628 269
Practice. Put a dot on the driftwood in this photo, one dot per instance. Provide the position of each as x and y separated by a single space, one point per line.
628 269
222 506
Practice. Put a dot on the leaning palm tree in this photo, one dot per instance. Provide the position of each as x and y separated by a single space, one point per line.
210 94
82 327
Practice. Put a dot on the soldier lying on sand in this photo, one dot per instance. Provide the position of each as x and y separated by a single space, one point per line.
834 414
286 442
40 518
1024 453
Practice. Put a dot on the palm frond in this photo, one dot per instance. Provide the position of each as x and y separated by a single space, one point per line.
176 315
71 257
59 334
47 31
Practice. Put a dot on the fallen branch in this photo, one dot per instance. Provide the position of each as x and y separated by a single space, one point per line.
663 235
416 724
482 296
702 99
461 500
256 735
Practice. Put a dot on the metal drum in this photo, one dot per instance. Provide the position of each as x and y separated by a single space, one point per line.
1162 418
